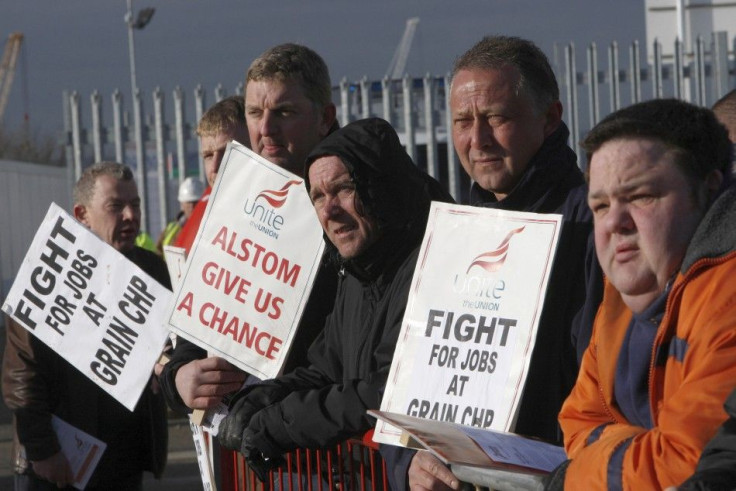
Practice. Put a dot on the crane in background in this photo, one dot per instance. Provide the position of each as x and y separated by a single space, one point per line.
7 68
401 55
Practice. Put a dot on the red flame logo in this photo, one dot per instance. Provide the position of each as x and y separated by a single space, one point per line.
492 261
277 198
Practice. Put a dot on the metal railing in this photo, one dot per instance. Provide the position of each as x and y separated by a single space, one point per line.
417 107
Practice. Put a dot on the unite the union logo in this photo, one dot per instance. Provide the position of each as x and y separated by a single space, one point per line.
264 216
493 260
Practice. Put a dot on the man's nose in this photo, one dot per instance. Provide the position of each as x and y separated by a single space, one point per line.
129 212
268 123
481 134
618 219
330 207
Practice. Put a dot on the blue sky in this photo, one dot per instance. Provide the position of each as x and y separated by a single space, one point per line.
82 44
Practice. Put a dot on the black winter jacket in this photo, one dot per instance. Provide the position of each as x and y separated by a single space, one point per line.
325 403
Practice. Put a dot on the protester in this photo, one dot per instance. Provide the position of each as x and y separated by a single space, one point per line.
287 110
510 138
372 203
38 383
663 354
190 190
220 124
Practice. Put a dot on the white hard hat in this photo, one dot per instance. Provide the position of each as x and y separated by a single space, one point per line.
190 189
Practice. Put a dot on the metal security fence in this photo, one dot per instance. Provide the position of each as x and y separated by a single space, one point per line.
593 83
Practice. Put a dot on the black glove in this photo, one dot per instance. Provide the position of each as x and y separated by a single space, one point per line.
230 431
243 406
261 455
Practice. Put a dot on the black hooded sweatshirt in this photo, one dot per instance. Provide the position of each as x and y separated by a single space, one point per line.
325 403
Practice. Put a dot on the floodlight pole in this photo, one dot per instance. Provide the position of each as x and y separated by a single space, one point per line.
137 122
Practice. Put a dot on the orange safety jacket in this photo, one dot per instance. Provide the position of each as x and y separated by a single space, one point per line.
692 371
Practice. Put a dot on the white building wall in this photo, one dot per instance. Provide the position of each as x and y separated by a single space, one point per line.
700 18
26 191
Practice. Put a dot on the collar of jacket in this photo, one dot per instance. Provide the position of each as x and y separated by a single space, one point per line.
383 256
551 173
714 237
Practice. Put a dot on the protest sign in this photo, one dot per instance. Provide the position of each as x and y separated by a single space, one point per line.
471 318
252 265
91 305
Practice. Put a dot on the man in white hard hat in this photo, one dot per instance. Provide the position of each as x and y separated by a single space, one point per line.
190 191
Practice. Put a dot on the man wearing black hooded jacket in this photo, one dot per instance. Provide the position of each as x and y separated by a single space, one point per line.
372 203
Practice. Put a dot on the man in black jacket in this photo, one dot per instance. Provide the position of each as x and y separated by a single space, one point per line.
372 203
287 109
508 132
38 383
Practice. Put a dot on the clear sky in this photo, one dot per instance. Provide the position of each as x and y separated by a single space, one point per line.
82 44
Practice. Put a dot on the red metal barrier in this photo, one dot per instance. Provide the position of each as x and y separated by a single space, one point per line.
354 465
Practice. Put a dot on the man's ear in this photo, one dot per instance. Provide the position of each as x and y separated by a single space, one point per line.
80 213
552 118
329 116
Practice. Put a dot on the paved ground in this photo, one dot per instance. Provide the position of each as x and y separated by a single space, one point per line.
182 473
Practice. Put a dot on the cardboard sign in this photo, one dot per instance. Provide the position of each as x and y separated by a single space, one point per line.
252 265
471 318
91 305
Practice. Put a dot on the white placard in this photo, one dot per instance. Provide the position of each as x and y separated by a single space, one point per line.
471 318
252 265
176 258
91 305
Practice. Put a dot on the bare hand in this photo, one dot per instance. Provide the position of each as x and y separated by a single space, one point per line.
54 469
427 472
203 383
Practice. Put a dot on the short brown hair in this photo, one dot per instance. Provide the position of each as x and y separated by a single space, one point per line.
535 73
699 142
296 62
225 115
85 187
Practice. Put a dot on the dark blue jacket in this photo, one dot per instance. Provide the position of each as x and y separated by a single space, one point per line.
552 183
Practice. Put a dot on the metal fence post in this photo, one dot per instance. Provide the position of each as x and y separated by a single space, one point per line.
386 99
140 158
180 124
699 66
96 106
117 124
593 108
199 101
615 90
679 76
344 101
634 68
657 71
76 134
429 129
163 202
719 59
365 97
408 118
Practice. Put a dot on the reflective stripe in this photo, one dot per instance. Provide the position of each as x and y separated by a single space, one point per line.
616 466
595 434
678 349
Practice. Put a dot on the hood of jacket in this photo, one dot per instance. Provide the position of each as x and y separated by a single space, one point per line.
394 191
